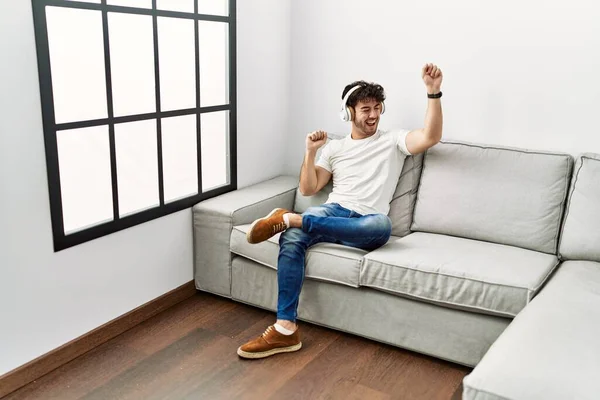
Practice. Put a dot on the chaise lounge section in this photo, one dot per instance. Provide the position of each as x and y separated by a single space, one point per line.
551 350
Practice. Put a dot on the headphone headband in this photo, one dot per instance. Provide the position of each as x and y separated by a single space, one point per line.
347 96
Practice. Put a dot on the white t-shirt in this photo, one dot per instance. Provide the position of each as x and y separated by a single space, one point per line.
365 171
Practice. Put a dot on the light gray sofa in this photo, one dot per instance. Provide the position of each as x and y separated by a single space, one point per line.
475 238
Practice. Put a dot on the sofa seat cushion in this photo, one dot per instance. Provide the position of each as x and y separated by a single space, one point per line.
551 350
455 272
324 261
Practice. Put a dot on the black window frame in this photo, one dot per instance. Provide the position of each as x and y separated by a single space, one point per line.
62 241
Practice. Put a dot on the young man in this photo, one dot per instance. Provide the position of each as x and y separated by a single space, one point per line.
365 167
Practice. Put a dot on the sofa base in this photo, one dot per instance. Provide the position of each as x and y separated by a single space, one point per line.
449 334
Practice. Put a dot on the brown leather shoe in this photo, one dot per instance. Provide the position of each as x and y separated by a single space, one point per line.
264 228
269 343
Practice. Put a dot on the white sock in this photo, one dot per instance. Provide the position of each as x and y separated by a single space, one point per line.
286 219
282 330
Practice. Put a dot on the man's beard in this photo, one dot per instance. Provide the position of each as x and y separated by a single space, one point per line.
369 129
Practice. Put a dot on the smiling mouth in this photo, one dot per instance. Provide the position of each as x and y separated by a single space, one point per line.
371 123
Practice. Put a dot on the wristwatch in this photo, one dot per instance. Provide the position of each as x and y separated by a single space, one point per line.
434 96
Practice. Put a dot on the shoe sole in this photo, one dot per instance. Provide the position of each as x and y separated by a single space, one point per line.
249 234
263 354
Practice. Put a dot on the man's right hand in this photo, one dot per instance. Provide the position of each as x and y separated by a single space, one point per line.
315 140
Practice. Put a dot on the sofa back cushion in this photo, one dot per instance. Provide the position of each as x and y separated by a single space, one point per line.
402 205
580 239
302 203
492 193
403 200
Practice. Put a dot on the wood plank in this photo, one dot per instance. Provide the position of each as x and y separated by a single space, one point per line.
82 375
389 362
428 378
162 370
164 329
384 369
346 358
348 389
134 345
258 379
198 358
42 365
458 393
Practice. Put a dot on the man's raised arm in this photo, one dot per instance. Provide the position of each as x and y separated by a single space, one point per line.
313 178
420 140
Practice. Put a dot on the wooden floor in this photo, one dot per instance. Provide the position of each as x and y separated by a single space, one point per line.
189 352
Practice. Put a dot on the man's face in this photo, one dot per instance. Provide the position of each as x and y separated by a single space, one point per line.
366 116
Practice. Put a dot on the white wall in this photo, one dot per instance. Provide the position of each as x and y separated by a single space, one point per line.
263 88
518 73
47 298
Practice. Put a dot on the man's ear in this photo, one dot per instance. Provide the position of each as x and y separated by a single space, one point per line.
351 113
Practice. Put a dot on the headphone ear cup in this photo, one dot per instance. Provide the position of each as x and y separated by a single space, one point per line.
344 114
345 111
382 107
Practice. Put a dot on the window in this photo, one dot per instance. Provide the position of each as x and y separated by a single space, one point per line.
139 109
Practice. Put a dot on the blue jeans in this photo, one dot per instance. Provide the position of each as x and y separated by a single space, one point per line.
329 223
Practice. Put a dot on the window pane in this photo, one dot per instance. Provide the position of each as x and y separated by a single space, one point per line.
137 166
176 5
214 63
131 3
76 45
132 63
180 157
177 63
85 182
213 7
215 149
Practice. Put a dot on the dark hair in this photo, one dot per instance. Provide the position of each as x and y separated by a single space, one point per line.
367 91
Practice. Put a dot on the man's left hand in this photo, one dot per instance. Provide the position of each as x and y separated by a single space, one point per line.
432 76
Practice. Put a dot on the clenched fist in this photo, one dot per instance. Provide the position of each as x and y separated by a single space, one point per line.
315 139
432 76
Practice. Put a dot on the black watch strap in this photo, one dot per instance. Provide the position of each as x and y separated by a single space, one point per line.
434 96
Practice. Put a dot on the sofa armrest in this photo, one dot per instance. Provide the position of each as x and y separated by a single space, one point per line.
214 218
